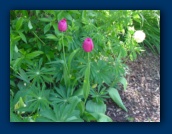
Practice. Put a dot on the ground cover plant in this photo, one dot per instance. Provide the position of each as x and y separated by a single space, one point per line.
65 64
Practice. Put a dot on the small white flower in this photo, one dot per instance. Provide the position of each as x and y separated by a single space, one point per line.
139 36
24 84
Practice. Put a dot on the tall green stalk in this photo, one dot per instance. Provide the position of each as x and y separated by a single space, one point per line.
66 71
86 85
89 65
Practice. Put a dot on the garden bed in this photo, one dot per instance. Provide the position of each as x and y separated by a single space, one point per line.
142 97
66 64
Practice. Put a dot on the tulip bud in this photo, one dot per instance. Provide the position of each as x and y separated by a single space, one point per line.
62 25
88 45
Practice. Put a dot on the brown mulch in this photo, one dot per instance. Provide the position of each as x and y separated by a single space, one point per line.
142 97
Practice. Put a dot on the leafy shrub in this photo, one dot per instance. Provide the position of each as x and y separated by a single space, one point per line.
149 22
65 64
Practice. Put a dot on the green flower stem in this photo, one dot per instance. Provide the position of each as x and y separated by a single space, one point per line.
88 77
89 62
38 38
88 59
64 54
67 79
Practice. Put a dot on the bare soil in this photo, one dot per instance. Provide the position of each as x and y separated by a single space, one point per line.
142 97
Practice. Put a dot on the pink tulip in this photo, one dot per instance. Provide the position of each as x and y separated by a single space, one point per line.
88 45
62 25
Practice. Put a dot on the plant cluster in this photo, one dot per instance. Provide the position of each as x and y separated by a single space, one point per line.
64 65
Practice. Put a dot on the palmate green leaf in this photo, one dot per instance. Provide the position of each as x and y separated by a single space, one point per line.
19 23
99 93
40 75
59 96
34 54
34 106
61 113
95 107
62 97
116 98
101 72
37 99
62 92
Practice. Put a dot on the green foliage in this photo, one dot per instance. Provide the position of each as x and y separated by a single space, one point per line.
149 22
99 94
61 113
62 96
40 75
37 99
52 79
